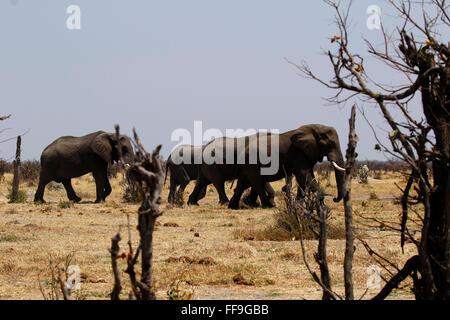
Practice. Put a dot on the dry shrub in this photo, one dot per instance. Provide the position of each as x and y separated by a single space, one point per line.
178 199
20 197
30 171
50 286
130 191
180 290
373 196
4 168
239 279
208 261
55 186
285 227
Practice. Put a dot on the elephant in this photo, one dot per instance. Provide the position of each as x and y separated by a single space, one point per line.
298 151
217 168
70 157
182 172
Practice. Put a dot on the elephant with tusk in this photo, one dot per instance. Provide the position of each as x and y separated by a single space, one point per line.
298 151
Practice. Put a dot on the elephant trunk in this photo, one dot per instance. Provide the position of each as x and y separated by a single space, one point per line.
339 172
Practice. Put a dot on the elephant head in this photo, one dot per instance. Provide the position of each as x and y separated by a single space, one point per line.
105 145
317 141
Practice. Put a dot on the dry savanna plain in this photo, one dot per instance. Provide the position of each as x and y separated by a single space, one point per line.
208 251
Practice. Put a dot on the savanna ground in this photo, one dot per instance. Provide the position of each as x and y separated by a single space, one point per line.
217 243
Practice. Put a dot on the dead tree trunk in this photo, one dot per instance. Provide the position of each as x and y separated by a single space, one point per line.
321 256
16 164
349 232
147 174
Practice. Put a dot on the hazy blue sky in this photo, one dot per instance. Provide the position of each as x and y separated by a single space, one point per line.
160 65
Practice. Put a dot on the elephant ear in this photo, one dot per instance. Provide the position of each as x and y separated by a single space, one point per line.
306 141
102 145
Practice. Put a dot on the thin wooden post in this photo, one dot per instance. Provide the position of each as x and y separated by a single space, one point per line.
16 165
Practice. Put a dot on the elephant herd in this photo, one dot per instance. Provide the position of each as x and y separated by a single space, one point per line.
296 153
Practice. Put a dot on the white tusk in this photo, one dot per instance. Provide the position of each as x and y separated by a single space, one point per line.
127 165
337 167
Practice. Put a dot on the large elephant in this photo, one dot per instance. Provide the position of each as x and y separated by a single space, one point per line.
220 163
70 157
298 151
183 169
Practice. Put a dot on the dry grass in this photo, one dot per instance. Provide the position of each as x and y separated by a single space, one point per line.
238 267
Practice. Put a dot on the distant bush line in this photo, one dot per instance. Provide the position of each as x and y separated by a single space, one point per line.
30 169
373 165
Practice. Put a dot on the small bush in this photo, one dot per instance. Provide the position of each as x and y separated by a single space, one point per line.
65 204
285 227
180 290
373 195
55 186
377 175
178 199
363 174
21 197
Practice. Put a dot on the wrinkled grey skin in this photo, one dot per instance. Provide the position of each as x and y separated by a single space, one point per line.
71 157
182 173
218 173
299 151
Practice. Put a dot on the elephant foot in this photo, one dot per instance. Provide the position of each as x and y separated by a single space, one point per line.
233 205
192 203
99 201
268 205
251 204
224 203
39 201
75 199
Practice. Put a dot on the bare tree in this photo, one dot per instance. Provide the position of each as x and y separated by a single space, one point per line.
420 55
147 173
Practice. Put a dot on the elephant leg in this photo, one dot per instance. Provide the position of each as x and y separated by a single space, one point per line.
251 199
260 187
182 188
39 195
242 185
270 193
202 193
108 188
220 187
201 183
172 190
70 192
100 179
